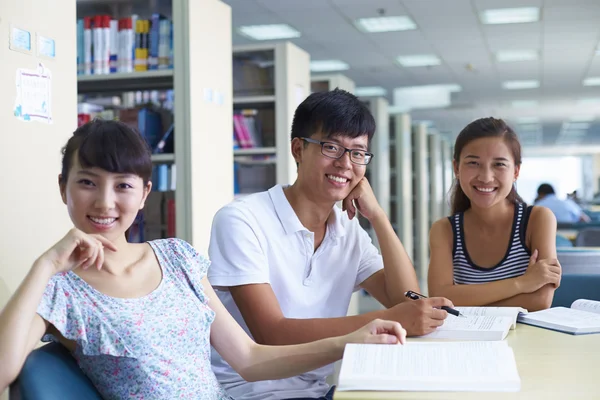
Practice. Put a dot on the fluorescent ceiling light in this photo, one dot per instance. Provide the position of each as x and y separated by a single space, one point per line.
593 81
328 65
516 55
268 32
528 120
385 24
524 103
370 91
510 15
516 85
422 97
419 60
582 118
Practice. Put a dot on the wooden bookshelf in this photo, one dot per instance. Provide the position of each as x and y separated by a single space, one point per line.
269 82
206 85
420 202
401 180
378 171
254 101
328 82
436 178
163 158
122 82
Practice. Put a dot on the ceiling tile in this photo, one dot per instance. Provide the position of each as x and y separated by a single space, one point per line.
566 37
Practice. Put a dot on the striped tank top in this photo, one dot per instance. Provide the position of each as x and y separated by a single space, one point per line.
514 263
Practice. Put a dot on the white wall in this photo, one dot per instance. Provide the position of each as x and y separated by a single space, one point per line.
32 214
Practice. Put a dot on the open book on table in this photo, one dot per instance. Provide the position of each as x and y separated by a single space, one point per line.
478 323
430 366
512 312
583 317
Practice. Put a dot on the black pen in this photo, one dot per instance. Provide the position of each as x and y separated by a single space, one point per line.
416 296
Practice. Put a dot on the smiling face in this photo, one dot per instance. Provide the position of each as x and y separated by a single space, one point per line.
486 171
102 202
328 179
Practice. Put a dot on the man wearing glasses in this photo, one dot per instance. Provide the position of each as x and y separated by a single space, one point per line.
285 262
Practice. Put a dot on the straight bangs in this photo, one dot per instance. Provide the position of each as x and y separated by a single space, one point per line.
116 148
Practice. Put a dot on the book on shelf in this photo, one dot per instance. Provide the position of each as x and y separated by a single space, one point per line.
430 366
107 45
478 323
583 317
247 129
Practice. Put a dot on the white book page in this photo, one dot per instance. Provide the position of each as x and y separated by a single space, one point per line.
587 305
456 327
512 312
568 317
426 363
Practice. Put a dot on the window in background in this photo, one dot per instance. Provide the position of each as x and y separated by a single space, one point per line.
565 174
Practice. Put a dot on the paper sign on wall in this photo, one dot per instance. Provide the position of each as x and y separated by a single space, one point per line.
46 47
19 40
34 94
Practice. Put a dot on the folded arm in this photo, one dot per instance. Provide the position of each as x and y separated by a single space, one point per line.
538 300
441 274
541 235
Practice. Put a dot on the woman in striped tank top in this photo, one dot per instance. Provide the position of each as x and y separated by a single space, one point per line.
493 250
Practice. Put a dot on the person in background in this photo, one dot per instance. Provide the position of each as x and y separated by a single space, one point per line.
494 250
285 262
575 197
565 211
139 318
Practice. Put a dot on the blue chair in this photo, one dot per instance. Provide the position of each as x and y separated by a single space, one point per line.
51 373
562 241
576 286
588 237
594 215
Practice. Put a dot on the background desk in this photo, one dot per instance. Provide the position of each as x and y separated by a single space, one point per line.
551 365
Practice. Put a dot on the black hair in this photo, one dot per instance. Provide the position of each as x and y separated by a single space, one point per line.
482 128
333 113
545 189
110 145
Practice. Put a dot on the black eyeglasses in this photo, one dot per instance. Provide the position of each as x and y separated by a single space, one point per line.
336 151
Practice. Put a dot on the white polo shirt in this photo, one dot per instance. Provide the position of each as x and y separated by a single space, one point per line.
259 239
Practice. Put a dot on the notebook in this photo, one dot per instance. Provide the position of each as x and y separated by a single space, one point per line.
583 317
476 326
512 312
430 366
